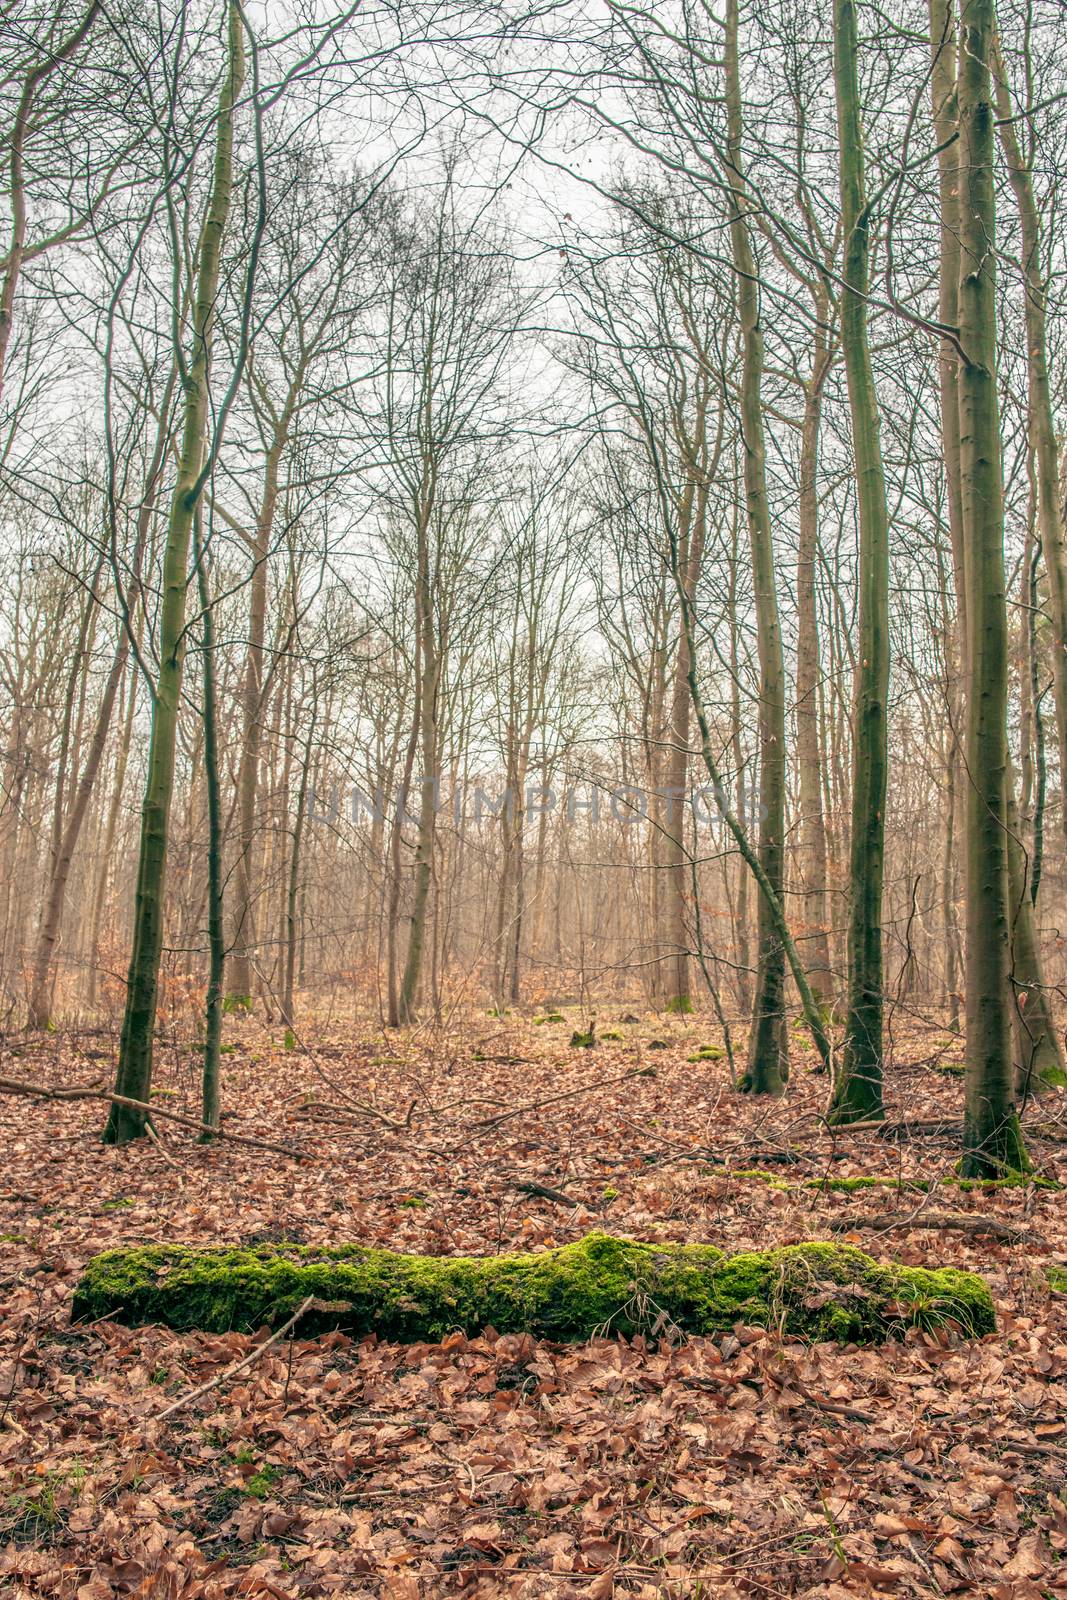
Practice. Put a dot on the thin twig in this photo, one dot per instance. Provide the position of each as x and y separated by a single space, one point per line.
570 1094
238 1366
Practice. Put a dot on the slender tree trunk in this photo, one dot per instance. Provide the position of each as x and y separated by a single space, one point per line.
679 870
1039 1060
767 1066
396 847
812 1013
809 754
1042 428
424 852
945 109
679 998
428 787
858 1091
52 915
134 1076
111 827
743 977
216 939
992 1138
296 861
252 697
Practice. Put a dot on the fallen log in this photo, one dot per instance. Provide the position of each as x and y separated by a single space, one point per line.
597 1285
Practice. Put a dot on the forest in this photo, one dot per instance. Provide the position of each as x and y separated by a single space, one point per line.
533 851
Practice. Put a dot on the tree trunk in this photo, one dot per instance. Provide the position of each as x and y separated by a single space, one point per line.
1042 428
1039 1060
858 1092
134 1075
111 827
52 915
428 786
992 1138
813 852
210 1105
767 1066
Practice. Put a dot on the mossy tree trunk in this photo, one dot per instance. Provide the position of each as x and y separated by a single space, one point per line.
134 1075
767 1066
992 1139
858 1091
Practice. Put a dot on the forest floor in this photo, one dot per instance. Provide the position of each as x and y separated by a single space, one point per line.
740 1465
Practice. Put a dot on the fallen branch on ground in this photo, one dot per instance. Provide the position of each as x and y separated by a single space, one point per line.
886 1221
541 1191
44 1091
905 1129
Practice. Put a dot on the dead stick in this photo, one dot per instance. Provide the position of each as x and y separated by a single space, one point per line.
835 1409
885 1221
237 1366
44 1091
158 1142
889 1129
541 1191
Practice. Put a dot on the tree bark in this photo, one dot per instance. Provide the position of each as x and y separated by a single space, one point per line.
992 1138
210 1098
1041 423
813 850
858 1091
767 1065
134 1075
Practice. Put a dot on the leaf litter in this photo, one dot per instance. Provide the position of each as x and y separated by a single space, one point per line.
505 1466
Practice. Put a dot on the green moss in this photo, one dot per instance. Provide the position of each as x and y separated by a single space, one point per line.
599 1283
1057 1279
259 1485
680 1005
583 1041
1014 1180
850 1185
708 1052
756 1175
612 1036
553 1016
1017 1180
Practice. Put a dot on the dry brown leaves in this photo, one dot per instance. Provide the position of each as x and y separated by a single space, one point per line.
504 1466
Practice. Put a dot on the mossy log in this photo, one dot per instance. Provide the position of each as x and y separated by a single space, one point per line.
599 1284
